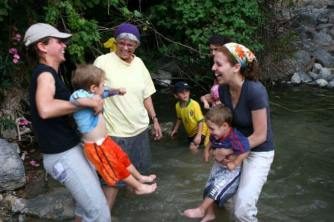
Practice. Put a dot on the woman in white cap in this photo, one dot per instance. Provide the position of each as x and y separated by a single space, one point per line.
236 70
58 141
128 116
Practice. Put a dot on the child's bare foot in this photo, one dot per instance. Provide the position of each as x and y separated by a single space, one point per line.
147 179
208 217
194 213
146 189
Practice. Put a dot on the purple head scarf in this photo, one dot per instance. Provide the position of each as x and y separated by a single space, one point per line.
127 31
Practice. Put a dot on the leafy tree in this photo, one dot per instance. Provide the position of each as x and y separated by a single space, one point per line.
194 21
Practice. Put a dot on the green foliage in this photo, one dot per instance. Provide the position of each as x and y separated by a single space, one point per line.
193 22
6 123
6 67
4 8
85 32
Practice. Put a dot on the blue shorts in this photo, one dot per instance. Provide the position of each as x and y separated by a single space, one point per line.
222 183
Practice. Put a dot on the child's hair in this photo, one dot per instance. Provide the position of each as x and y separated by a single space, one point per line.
87 75
217 39
219 114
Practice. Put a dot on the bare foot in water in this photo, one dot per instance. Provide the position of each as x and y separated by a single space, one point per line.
146 189
194 213
208 217
147 179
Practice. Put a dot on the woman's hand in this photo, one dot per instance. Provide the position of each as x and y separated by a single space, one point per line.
157 133
219 155
98 104
231 165
227 160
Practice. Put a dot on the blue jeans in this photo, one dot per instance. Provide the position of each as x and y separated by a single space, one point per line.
73 170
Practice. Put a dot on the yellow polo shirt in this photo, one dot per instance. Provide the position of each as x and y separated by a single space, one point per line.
190 116
126 115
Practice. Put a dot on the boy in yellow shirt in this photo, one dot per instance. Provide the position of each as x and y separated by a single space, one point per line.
189 112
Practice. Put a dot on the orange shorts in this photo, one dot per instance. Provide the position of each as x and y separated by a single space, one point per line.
109 159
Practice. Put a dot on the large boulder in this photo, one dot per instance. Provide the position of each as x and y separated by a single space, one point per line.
12 174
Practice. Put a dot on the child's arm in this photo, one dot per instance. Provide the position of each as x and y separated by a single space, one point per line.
176 128
112 92
231 165
206 153
197 139
206 100
95 103
120 91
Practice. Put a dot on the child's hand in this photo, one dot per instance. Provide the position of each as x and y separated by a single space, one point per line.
197 140
205 102
193 147
173 134
206 155
121 91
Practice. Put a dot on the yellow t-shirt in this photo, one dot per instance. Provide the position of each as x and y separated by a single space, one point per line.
190 116
126 115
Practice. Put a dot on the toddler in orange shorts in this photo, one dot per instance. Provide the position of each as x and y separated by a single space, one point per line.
111 162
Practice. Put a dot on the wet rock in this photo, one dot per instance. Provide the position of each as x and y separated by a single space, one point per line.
295 79
12 173
57 204
304 77
325 73
331 84
322 82
324 57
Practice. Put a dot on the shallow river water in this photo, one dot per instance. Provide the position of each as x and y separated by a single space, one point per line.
300 186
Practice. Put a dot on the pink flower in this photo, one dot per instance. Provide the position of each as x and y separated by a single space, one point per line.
17 37
15 61
23 122
13 51
16 56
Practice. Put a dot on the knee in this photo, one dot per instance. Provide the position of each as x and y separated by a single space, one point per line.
99 214
245 212
240 213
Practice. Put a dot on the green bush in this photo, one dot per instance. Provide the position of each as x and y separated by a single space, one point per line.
192 22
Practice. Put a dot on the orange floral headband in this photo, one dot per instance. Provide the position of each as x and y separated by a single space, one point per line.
241 53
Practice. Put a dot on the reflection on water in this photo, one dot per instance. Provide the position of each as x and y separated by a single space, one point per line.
301 182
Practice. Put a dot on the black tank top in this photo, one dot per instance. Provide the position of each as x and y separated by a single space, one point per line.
54 135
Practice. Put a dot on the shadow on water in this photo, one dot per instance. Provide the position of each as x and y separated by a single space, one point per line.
301 183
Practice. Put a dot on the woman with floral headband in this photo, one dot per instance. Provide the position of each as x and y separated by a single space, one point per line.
236 70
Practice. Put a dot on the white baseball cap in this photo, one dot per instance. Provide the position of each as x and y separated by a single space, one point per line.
41 30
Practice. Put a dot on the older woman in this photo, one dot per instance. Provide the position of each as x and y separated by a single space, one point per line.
128 116
235 68
58 141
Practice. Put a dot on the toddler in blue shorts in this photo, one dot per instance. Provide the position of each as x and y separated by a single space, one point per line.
225 173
